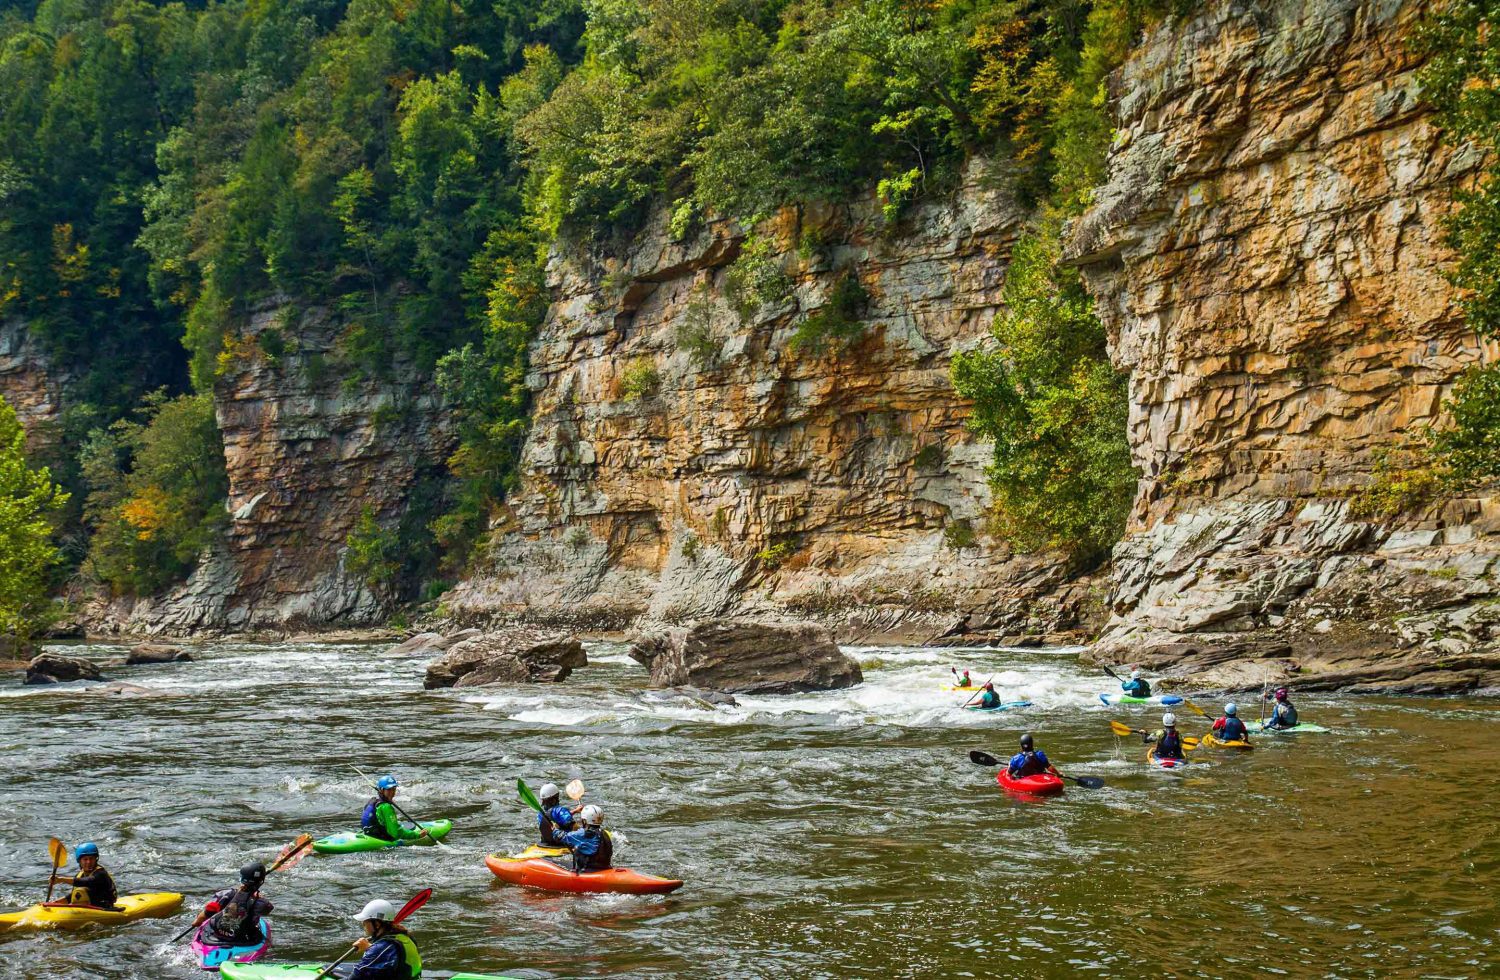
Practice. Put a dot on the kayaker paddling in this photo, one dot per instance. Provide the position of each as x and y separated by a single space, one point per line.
1229 728
233 915
380 819
1137 686
554 820
1168 741
92 885
961 680
389 952
989 699
1283 712
591 845
1030 761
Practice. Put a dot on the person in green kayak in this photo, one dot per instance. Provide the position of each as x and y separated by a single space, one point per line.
389 952
1283 713
989 699
380 819
591 846
1168 742
1137 686
92 885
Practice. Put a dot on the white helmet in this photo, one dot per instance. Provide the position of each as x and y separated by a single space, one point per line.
549 790
379 911
1231 709
592 815
1169 720
1135 675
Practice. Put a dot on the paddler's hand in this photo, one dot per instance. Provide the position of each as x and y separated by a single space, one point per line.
362 944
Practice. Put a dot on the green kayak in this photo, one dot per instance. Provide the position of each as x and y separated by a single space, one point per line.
351 841
306 971
1303 728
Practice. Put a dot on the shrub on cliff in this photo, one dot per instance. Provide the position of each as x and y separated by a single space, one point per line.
157 492
29 501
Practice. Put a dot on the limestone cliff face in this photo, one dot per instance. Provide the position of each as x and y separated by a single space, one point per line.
1267 254
308 448
687 461
30 383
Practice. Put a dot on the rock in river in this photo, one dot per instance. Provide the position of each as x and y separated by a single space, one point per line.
514 656
52 668
156 653
744 657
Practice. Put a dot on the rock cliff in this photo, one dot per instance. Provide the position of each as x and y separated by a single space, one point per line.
1267 253
688 459
31 384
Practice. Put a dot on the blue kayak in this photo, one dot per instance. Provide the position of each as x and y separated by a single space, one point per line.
999 707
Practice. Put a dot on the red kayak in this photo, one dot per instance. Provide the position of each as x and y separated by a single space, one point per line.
1041 784
548 876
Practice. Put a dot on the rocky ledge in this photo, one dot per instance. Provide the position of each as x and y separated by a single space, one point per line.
511 657
743 657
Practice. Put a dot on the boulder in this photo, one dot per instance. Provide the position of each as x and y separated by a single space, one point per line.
156 653
52 668
745 657
511 657
696 696
430 644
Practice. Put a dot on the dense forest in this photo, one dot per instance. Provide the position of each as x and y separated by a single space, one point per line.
168 168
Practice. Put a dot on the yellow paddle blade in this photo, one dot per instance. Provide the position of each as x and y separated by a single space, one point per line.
1120 728
575 790
1189 742
57 851
1195 709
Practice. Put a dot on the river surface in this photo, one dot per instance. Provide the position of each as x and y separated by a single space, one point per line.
826 835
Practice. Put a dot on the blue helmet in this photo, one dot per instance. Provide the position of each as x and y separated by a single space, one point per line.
386 782
1231 709
86 849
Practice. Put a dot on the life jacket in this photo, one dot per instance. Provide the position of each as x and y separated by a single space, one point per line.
369 824
236 917
1030 766
600 859
1169 746
1284 716
989 699
409 966
1234 730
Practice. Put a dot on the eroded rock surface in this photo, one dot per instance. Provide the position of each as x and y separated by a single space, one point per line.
509 657
56 668
744 657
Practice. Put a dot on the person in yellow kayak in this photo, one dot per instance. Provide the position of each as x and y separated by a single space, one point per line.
989 699
92 885
961 680
1168 742
389 952
592 849
1229 728
380 819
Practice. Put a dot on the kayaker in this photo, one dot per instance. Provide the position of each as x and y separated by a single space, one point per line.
1229 728
380 819
1029 761
989 699
1283 713
389 951
592 849
233 915
1137 686
963 679
92 885
555 819
1168 742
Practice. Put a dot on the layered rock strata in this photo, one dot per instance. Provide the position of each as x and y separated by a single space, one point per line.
30 384
1268 256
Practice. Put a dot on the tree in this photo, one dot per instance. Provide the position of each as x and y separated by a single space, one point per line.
28 501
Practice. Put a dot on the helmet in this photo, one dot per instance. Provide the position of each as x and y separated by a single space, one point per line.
1026 742
253 874
1231 709
1169 720
989 685
1281 694
377 911
592 815
550 791
386 782
1135 675
86 849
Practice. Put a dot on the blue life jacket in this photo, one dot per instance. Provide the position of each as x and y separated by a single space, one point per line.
1234 730
552 836
369 825
1283 715
592 848
1169 746
1024 764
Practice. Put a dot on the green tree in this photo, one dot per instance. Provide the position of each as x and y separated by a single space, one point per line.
29 500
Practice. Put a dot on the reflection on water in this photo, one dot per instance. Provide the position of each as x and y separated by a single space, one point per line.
821 835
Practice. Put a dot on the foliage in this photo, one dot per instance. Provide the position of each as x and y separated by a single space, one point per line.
29 502
640 380
374 551
1055 408
1398 487
157 488
959 535
838 320
691 546
756 279
776 555
695 334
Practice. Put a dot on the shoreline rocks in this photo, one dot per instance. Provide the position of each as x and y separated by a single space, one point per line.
747 657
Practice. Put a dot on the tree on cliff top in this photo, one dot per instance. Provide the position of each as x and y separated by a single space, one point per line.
28 501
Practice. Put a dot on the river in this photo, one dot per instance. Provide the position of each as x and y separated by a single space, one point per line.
843 834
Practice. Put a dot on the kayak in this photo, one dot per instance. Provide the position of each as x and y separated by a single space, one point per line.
352 841
306 971
60 915
971 688
1218 743
1304 727
1040 784
552 877
213 957
1165 763
1132 699
541 851
999 707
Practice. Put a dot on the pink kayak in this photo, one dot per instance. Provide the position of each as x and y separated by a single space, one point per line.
212 957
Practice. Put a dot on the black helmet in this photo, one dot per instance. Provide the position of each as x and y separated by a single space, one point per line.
253 874
1026 742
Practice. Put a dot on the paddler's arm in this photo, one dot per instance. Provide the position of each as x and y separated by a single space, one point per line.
391 824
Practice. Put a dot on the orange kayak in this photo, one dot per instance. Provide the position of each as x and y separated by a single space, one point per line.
548 876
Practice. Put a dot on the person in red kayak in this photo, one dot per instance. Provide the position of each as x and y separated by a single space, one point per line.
1030 761
1229 728
92 885
592 849
233 915
1168 742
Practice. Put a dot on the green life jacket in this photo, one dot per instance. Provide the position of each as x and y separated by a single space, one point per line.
409 953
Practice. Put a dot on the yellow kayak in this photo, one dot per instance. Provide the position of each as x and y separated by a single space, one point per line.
59 915
538 851
1219 743
971 687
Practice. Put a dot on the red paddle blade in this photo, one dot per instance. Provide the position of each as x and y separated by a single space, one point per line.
417 901
293 853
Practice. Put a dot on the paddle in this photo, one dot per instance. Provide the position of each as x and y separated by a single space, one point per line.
1121 729
290 855
397 807
59 855
1192 707
978 693
1109 672
417 901
1087 782
575 790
